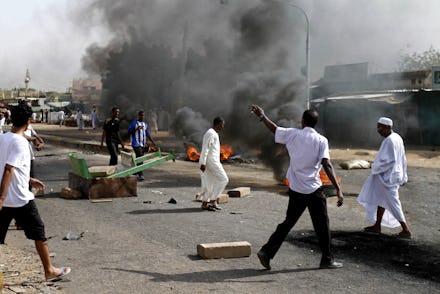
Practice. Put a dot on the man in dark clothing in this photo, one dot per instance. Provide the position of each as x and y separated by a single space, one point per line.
308 151
112 136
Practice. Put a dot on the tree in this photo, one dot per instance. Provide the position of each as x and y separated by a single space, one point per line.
419 61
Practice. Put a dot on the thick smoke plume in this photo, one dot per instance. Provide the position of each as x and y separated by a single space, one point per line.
198 59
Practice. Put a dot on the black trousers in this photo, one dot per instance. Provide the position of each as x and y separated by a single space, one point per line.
113 150
316 202
139 151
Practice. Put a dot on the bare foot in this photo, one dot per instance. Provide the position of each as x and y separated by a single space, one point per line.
372 229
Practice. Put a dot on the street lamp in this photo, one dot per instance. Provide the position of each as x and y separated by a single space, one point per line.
307 53
307 46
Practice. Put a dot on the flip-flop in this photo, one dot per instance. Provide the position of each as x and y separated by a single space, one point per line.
64 272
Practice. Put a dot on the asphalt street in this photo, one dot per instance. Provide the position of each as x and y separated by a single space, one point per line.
144 244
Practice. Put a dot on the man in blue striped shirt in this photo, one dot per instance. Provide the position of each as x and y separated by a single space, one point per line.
139 133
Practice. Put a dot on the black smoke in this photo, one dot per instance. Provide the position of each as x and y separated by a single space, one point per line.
198 59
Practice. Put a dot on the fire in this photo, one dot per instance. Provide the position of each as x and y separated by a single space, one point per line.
324 179
193 154
225 152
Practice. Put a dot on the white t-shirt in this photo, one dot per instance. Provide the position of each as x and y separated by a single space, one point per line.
2 123
30 132
14 150
306 149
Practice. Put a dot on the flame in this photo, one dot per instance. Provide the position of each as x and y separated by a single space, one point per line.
225 152
325 180
323 176
192 153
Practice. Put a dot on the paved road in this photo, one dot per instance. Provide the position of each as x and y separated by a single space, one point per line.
131 246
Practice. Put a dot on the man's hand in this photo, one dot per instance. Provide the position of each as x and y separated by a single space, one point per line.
202 167
1 204
340 199
257 110
37 183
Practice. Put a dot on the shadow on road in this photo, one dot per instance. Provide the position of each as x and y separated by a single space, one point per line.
379 251
214 276
160 211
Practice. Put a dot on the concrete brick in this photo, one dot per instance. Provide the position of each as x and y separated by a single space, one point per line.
224 250
101 171
69 193
223 198
240 192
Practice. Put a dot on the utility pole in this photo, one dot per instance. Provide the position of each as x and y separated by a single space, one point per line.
181 88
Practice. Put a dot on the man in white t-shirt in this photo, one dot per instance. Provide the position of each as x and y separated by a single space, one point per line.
79 119
308 151
16 201
2 122
61 117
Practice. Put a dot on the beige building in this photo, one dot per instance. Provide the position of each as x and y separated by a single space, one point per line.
86 90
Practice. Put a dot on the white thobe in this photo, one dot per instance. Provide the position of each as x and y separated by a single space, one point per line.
214 178
381 188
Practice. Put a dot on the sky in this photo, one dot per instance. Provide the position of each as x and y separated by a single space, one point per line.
49 37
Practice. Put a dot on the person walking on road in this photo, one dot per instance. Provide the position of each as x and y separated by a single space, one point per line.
111 135
16 201
79 120
139 133
61 117
93 117
308 151
380 192
213 176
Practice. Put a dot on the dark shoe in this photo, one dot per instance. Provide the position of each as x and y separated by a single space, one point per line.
264 259
208 207
330 265
215 206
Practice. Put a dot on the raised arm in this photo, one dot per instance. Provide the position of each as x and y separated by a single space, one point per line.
259 112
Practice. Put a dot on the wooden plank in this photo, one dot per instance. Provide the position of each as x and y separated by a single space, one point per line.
104 187
144 166
102 200
102 171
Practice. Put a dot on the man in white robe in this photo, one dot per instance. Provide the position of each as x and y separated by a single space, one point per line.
213 175
380 192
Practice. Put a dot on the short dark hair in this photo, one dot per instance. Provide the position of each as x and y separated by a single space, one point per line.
310 118
20 114
114 108
218 120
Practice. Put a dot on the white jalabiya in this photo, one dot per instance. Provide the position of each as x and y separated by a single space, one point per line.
214 178
381 188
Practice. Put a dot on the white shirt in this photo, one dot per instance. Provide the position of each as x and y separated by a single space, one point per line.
14 150
2 123
306 149
30 132
390 161
210 148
